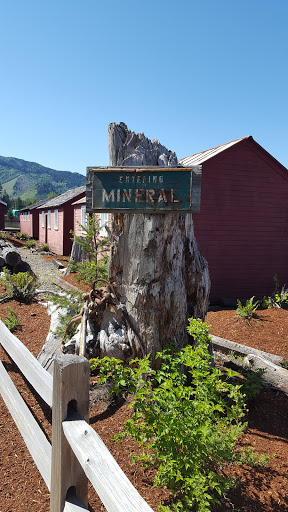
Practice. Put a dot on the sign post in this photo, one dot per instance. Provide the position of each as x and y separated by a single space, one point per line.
143 189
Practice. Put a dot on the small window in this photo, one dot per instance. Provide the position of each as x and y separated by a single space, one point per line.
56 219
104 219
49 220
43 220
28 216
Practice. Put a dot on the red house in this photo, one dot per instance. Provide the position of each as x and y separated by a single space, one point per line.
242 225
56 220
80 218
29 219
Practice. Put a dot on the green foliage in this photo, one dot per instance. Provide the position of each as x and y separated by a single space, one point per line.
10 215
96 248
252 385
27 175
44 247
88 270
247 311
72 305
186 417
30 244
21 236
279 298
4 235
19 286
11 321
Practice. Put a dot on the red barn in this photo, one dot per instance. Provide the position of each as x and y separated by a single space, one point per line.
242 224
56 220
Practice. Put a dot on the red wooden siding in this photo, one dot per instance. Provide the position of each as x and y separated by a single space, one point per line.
242 224
2 216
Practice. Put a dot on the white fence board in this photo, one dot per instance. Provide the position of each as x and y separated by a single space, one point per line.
35 440
111 484
39 378
74 505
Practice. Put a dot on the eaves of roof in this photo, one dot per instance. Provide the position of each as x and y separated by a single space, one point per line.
199 158
64 198
33 206
80 201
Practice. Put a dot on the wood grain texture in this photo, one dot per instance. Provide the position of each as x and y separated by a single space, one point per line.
111 484
35 440
26 362
70 386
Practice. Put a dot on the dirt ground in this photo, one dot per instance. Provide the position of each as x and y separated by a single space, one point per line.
258 490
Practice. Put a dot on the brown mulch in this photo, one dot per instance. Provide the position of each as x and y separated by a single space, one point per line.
268 331
259 490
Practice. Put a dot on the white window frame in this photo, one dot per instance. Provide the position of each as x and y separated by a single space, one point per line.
28 216
49 219
83 218
104 219
56 219
43 219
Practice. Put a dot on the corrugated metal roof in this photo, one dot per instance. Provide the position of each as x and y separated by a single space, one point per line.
198 158
64 198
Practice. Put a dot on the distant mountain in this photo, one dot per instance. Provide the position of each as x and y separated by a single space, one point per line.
28 179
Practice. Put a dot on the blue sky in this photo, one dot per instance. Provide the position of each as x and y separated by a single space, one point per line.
192 74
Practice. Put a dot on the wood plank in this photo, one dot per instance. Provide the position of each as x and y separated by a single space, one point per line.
39 378
70 386
112 485
65 285
36 442
73 504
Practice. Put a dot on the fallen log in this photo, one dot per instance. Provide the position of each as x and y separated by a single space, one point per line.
10 255
21 266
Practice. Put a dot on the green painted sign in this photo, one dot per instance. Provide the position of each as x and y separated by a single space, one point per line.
140 190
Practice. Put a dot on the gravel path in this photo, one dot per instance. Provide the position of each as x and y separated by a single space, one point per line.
44 270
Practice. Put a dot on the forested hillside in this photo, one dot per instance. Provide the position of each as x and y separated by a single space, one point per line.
26 180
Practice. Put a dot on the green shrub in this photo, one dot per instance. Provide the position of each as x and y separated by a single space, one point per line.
30 244
11 321
4 235
19 286
21 236
187 418
72 303
279 298
44 247
89 270
247 311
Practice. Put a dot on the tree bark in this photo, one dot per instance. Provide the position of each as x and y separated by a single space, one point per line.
160 274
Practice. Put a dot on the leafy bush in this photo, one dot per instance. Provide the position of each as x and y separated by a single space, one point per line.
186 417
21 236
88 270
279 298
30 244
19 286
11 321
247 311
44 247
4 235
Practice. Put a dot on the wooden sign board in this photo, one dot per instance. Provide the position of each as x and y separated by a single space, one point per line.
143 189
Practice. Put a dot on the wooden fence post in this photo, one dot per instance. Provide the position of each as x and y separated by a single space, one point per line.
70 390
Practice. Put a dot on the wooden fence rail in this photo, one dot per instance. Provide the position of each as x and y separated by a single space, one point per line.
77 452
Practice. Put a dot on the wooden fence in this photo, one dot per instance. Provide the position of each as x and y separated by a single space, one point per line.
77 452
